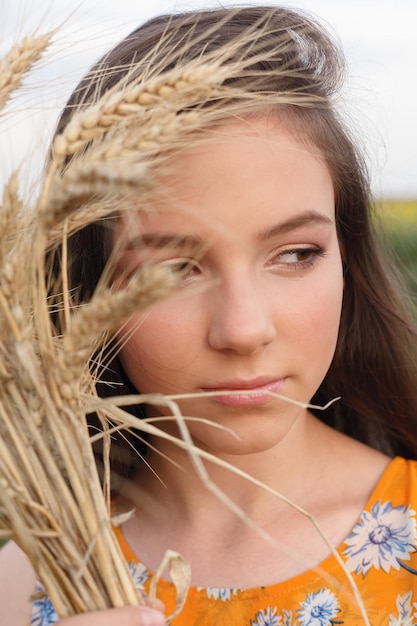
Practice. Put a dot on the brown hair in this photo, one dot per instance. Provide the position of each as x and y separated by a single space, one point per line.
291 63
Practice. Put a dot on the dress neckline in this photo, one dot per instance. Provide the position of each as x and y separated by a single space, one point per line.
327 567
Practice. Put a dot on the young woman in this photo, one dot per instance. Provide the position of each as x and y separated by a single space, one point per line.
263 214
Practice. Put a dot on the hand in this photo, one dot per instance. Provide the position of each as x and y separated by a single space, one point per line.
126 616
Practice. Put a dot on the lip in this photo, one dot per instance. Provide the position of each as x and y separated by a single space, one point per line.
246 393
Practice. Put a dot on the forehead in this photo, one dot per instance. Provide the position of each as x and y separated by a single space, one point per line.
250 146
240 171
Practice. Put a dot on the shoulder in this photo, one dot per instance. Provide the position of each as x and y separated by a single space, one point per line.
17 583
399 482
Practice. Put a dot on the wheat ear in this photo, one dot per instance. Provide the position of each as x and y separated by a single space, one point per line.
131 101
108 309
18 62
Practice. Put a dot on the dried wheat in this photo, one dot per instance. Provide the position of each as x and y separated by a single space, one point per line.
118 105
18 62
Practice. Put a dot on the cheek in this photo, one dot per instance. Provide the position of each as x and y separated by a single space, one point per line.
325 313
314 311
155 346
144 338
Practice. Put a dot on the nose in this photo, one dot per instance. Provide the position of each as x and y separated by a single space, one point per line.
242 317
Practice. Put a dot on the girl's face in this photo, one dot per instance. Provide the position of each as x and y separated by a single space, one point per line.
248 222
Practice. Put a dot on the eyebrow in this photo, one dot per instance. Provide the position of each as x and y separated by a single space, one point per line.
304 219
162 240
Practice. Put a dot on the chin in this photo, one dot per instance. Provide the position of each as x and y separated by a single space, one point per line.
228 445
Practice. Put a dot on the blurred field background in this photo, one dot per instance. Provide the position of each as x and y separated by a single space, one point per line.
398 221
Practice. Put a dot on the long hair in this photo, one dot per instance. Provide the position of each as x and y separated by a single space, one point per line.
284 61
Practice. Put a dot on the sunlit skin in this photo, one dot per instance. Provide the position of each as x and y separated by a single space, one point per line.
251 221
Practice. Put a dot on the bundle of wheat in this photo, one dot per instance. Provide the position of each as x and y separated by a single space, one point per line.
61 520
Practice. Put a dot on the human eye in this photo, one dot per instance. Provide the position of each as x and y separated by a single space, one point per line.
184 269
295 258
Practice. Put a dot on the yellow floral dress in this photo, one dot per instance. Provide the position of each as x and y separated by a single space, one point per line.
380 556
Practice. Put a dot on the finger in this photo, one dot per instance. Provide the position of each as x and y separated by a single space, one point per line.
157 604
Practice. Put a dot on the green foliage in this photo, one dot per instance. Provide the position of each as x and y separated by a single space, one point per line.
404 244
400 225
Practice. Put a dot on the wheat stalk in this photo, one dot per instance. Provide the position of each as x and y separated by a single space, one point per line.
19 61
10 206
47 505
108 310
118 105
60 520
91 181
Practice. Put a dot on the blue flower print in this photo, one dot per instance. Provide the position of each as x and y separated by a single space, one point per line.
383 538
43 613
287 615
220 593
139 574
319 609
266 618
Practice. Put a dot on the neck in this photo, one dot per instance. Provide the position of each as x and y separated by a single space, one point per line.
188 485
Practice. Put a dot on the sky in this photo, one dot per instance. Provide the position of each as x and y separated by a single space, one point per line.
378 37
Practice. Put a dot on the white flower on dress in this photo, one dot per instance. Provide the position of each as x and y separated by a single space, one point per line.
139 573
319 609
381 538
406 611
267 618
220 593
